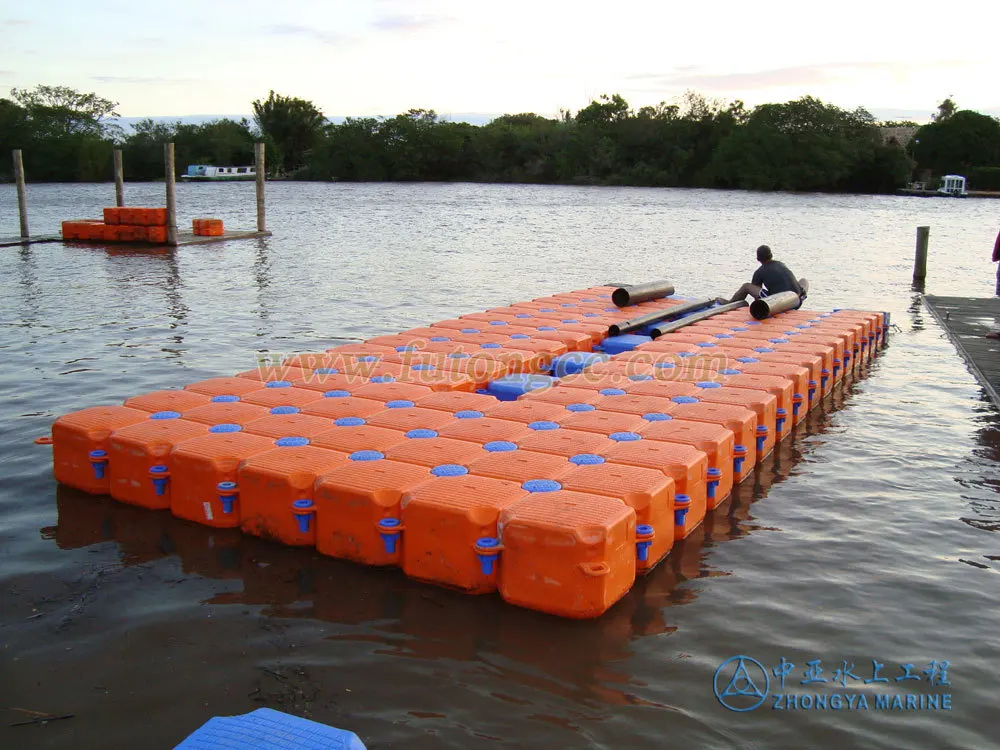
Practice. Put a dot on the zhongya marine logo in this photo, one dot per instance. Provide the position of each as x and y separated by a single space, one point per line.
741 683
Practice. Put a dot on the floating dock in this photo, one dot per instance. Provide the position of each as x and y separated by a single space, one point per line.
520 451
967 321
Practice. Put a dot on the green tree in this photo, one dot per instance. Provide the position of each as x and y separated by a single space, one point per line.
293 125
957 143
945 110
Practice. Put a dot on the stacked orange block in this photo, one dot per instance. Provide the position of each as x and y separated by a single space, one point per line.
207 227
121 225
390 453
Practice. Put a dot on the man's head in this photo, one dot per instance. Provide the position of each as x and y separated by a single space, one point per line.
764 254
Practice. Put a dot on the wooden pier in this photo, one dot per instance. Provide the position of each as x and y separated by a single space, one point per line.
967 321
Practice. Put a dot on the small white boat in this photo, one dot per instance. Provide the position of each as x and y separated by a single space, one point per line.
199 172
953 185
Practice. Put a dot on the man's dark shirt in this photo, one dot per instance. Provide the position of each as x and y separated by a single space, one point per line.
775 276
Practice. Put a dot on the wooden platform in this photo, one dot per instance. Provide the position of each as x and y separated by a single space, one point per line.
967 322
14 241
183 238
188 238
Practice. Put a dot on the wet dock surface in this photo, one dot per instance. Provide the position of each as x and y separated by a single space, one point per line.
967 321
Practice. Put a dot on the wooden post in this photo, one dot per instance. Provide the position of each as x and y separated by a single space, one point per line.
258 157
920 262
119 179
22 195
168 157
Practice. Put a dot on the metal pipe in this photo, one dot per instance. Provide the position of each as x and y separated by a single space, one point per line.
627 326
765 307
624 296
703 315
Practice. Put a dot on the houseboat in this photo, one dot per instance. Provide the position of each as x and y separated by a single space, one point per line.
953 185
200 172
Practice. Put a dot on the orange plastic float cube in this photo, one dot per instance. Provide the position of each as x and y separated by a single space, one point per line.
482 430
292 425
736 418
81 443
686 465
564 443
275 373
140 458
405 417
567 553
325 379
203 481
763 404
339 404
525 411
282 393
456 401
519 465
601 422
358 508
276 490
446 521
563 396
225 410
350 435
425 448
157 401
649 492
225 386
112 215
714 440
391 391
157 235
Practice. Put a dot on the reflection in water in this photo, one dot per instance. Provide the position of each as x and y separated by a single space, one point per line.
405 619
27 273
262 275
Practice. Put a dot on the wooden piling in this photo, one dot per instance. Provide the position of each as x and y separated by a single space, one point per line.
119 179
22 194
920 261
168 158
258 154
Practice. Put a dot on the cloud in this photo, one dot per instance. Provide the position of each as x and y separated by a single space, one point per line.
404 23
14 22
799 75
306 32
142 81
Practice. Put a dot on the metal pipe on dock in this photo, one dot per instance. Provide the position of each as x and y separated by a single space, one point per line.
627 326
632 295
765 307
703 315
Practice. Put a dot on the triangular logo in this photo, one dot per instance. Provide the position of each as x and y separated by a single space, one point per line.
741 684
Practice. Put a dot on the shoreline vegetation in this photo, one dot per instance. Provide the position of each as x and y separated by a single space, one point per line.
803 145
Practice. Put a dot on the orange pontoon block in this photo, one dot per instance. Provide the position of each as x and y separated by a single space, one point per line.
358 508
686 465
425 448
564 443
275 373
405 417
288 425
281 393
484 430
567 553
340 404
140 458
457 401
519 466
112 216
203 481
157 401
451 535
81 443
648 492
276 490
225 386
714 440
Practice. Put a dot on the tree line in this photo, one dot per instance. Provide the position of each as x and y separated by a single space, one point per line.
800 145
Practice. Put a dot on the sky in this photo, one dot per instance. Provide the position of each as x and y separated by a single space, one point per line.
382 57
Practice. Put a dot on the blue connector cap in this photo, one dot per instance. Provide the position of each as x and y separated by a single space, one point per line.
160 476
227 495
586 459
226 398
761 437
285 410
643 540
782 414
682 504
656 416
303 510
278 384
390 529
500 446
488 550
714 477
421 434
99 460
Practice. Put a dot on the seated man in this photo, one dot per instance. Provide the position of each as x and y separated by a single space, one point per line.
771 278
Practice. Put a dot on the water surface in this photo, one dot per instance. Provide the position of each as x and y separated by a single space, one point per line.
871 534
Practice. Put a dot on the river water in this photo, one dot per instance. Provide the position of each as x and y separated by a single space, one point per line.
871 534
